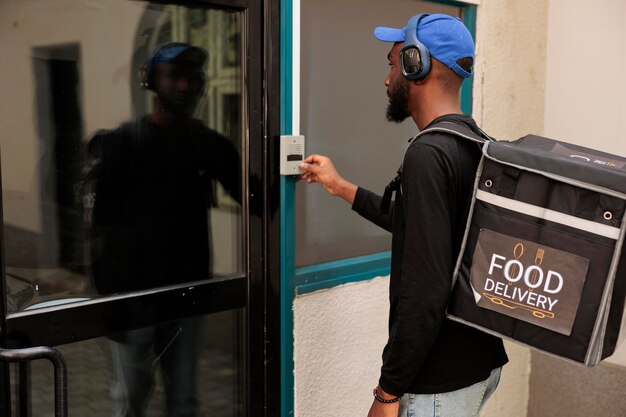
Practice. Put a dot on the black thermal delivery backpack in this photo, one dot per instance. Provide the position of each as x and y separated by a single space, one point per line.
541 262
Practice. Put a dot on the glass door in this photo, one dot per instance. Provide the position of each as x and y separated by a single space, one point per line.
136 231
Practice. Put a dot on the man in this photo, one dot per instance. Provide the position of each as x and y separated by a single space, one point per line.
431 366
149 184
152 182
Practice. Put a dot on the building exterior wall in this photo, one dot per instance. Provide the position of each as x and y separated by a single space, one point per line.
339 333
588 110
509 85
339 337
509 97
585 90
559 388
586 105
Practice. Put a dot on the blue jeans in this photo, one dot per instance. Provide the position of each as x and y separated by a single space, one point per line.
173 347
466 402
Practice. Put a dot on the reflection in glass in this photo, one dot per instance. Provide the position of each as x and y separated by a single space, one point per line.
121 166
208 382
149 183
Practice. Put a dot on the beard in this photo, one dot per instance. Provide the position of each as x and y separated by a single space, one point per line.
181 106
398 101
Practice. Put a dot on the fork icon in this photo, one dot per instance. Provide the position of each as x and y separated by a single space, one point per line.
535 275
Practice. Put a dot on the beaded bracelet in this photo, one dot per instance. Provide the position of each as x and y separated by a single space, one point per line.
382 400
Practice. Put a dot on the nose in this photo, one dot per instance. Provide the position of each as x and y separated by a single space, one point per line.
182 84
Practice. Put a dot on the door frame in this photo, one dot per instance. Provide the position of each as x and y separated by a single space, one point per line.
258 289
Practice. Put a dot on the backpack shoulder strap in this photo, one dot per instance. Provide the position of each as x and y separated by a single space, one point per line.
457 130
454 129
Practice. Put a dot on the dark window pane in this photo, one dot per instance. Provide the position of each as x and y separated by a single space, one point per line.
343 102
183 368
121 148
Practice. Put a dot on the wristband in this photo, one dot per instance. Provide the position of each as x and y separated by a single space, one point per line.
382 400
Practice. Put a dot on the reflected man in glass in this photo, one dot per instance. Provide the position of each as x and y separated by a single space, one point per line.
150 182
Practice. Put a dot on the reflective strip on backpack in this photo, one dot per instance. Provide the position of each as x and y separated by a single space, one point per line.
549 215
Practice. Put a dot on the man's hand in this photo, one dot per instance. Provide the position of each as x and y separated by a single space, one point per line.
379 409
320 169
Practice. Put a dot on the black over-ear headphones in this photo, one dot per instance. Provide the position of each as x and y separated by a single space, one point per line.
146 77
146 71
414 56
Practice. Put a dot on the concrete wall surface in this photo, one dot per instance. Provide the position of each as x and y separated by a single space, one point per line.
591 110
585 90
586 105
339 337
508 102
511 397
561 389
509 82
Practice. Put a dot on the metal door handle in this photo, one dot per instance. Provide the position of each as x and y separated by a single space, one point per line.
60 370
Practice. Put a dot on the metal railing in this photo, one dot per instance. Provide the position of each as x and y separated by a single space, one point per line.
60 370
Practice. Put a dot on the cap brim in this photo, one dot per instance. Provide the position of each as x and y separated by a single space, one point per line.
192 54
389 34
170 53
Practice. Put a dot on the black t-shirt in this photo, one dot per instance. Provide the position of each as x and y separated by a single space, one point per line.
153 189
427 353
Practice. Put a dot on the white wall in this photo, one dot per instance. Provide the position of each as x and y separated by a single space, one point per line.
25 25
509 96
339 338
586 90
509 84
586 87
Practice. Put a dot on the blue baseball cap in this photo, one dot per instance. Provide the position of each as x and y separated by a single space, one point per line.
446 37
178 51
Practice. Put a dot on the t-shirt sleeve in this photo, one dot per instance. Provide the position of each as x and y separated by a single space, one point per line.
423 285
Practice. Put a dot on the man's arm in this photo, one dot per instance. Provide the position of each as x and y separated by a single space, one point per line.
226 164
380 409
102 179
321 169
